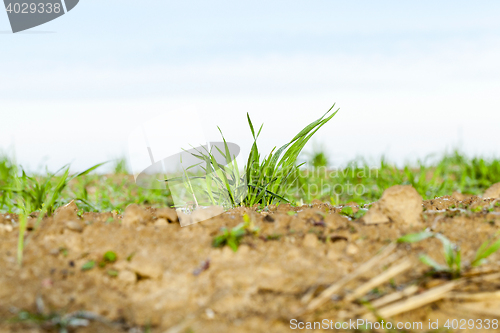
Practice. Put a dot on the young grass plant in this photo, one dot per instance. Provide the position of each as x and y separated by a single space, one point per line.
232 238
268 179
264 180
29 195
41 194
451 253
485 250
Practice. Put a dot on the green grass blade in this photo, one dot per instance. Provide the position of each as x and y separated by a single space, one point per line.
431 262
20 242
485 252
414 238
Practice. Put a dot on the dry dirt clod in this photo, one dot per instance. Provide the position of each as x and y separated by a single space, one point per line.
74 226
168 214
492 192
199 214
146 267
400 204
310 240
5 228
441 203
351 249
66 213
204 214
127 276
135 215
459 196
161 222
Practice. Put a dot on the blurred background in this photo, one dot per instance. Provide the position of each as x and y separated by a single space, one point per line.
410 79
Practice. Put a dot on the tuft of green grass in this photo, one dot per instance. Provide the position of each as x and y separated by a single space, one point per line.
230 238
265 179
268 179
363 182
40 193
27 194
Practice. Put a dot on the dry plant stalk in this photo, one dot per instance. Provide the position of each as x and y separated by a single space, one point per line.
379 279
390 298
327 293
479 271
408 291
487 277
415 302
474 297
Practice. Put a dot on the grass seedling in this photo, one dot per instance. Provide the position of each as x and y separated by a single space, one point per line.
349 212
230 238
264 181
451 253
233 237
110 256
29 194
485 250
268 179
88 265
42 195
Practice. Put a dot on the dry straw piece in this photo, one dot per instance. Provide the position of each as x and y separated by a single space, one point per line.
415 302
330 291
474 297
408 291
379 279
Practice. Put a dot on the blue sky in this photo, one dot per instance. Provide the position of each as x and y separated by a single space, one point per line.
410 78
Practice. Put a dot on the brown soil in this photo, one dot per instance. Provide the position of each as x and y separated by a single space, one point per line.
172 278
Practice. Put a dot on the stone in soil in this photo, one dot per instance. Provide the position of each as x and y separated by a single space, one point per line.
400 204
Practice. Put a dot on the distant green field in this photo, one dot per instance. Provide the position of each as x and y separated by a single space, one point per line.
359 182
363 183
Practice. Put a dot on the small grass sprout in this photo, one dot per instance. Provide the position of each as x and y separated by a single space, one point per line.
88 265
110 256
451 252
232 238
349 212
485 250
112 272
